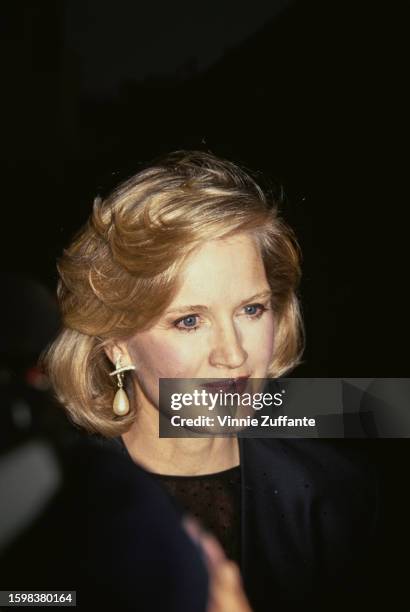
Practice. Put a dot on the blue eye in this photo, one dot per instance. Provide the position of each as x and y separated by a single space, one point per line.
189 323
257 310
254 307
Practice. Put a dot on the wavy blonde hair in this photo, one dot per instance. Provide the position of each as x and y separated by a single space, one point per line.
121 271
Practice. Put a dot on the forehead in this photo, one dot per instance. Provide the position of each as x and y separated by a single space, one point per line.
225 267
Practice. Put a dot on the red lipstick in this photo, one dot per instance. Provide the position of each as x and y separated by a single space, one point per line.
228 385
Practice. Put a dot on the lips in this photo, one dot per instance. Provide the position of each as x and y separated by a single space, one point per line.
228 385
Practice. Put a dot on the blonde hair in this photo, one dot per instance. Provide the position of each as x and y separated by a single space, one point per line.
121 271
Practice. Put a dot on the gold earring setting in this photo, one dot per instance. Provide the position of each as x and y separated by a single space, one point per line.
121 404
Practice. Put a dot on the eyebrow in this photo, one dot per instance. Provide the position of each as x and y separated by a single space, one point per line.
201 307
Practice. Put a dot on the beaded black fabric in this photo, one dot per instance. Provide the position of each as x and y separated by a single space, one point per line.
214 500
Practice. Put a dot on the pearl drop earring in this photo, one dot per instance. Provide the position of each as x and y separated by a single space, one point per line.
121 404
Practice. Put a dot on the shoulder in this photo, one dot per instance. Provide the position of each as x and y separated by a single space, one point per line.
317 503
102 471
331 472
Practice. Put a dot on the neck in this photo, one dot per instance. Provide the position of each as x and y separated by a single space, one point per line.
176 456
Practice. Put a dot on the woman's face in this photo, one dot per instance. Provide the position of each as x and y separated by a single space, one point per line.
219 325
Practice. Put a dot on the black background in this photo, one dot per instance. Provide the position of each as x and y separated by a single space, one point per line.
312 99
311 96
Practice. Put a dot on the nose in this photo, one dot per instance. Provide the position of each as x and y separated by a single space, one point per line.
227 350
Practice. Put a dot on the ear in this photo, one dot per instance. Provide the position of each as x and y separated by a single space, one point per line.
115 350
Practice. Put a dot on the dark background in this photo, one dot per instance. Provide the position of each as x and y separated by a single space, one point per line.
307 92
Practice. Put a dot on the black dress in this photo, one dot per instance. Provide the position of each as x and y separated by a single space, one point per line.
214 500
308 516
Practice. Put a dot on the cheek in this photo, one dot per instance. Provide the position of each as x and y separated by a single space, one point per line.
263 341
270 340
159 358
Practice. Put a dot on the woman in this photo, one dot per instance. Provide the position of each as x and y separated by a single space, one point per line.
187 271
